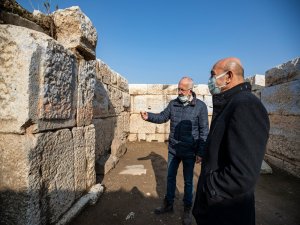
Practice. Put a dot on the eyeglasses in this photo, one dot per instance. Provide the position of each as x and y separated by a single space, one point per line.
182 90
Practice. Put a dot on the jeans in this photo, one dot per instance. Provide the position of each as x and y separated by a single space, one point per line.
188 173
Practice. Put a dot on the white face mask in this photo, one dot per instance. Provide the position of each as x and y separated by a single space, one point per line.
212 86
183 98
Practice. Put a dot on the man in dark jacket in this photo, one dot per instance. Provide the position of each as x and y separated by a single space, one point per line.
188 132
234 149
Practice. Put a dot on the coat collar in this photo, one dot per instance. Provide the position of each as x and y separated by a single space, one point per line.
220 100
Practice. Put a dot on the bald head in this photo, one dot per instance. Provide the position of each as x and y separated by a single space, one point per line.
231 64
233 73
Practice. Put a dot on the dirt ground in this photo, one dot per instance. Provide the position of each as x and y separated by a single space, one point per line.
130 199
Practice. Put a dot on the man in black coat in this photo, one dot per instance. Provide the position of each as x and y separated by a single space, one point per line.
234 149
188 132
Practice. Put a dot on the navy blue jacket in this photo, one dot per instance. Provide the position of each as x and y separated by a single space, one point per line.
188 127
233 156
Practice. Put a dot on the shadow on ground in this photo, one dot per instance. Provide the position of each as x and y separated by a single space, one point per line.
130 199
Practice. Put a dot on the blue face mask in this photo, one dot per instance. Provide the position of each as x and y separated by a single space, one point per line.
212 86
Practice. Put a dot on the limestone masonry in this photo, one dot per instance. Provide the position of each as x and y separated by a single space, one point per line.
66 116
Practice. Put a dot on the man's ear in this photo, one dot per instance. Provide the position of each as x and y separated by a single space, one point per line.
229 77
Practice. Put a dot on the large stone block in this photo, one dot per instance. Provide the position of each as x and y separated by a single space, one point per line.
101 101
209 103
126 101
86 92
104 134
76 31
151 103
201 89
104 73
137 89
170 89
284 147
57 173
284 137
37 88
155 89
138 125
122 83
116 100
84 158
283 73
257 81
282 99
17 194
36 176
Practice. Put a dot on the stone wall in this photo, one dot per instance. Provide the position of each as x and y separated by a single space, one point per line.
63 116
281 98
155 98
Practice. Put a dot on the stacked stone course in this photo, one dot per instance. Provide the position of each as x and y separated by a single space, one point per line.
281 97
62 113
155 98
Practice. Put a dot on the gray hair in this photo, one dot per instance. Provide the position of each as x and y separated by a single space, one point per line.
190 80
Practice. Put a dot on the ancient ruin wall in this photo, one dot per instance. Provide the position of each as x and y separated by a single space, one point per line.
281 97
155 98
61 114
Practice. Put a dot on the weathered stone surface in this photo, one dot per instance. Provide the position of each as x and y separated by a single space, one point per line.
209 103
132 137
288 126
84 158
37 172
282 99
105 130
118 146
257 81
116 101
138 125
114 78
17 193
101 101
137 89
57 173
155 89
151 103
126 101
170 89
104 73
201 89
277 162
10 18
43 98
86 92
283 73
292 167
122 83
285 147
105 164
265 168
75 31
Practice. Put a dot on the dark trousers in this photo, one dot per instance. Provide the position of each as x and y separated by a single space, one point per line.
188 172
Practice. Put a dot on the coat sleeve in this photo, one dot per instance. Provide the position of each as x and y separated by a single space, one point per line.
203 129
161 117
244 144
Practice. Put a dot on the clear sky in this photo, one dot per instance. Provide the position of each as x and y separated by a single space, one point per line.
159 41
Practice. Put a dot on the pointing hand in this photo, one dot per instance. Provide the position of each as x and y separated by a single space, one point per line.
144 115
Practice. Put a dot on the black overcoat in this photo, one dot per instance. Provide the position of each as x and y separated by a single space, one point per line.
232 160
